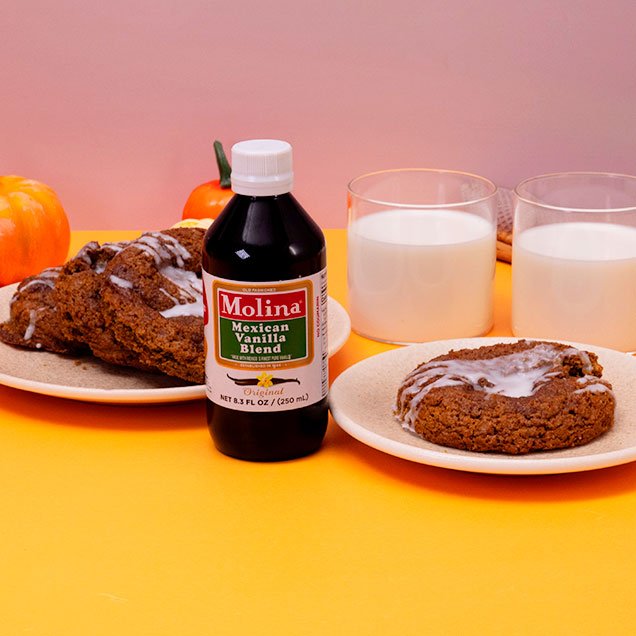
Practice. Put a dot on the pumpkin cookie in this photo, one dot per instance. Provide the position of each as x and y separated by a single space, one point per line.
151 301
34 317
508 398
77 293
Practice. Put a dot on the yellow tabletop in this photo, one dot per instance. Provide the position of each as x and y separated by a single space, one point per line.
125 520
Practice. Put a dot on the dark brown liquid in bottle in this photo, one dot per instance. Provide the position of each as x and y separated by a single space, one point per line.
259 239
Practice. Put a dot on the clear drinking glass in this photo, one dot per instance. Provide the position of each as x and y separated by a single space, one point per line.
421 254
574 259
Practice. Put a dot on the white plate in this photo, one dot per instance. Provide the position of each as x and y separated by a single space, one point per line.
338 326
362 398
89 379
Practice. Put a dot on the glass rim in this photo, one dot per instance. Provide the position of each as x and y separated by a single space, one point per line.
559 208
425 206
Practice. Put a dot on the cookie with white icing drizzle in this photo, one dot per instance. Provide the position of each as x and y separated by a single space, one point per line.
508 398
34 320
152 301
78 294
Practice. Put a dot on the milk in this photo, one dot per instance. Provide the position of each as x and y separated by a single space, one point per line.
417 275
576 281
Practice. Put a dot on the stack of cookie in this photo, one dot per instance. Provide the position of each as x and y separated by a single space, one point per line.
136 304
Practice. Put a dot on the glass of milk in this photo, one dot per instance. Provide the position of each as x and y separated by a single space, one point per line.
421 255
574 259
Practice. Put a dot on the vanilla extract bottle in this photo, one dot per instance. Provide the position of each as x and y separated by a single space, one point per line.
265 287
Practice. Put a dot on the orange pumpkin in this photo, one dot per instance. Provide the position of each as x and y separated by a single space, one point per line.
34 230
208 200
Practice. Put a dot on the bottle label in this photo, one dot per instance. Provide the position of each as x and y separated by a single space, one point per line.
266 343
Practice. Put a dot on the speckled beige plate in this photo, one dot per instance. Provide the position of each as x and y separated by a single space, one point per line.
89 379
362 398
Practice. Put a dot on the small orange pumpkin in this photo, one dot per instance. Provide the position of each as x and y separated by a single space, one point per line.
209 199
34 230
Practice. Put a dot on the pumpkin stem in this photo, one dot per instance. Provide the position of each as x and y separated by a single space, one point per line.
224 166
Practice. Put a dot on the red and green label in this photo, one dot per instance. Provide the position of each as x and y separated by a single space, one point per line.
266 343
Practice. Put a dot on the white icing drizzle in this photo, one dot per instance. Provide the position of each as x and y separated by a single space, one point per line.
120 282
103 261
184 309
592 384
98 261
514 375
33 318
189 284
83 253
115 247
163 247
190 289
597 387
31 327
177 248
170 296
46 278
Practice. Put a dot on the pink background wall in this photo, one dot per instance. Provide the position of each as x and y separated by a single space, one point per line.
116 104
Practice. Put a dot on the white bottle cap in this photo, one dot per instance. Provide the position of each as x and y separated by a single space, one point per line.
262 167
